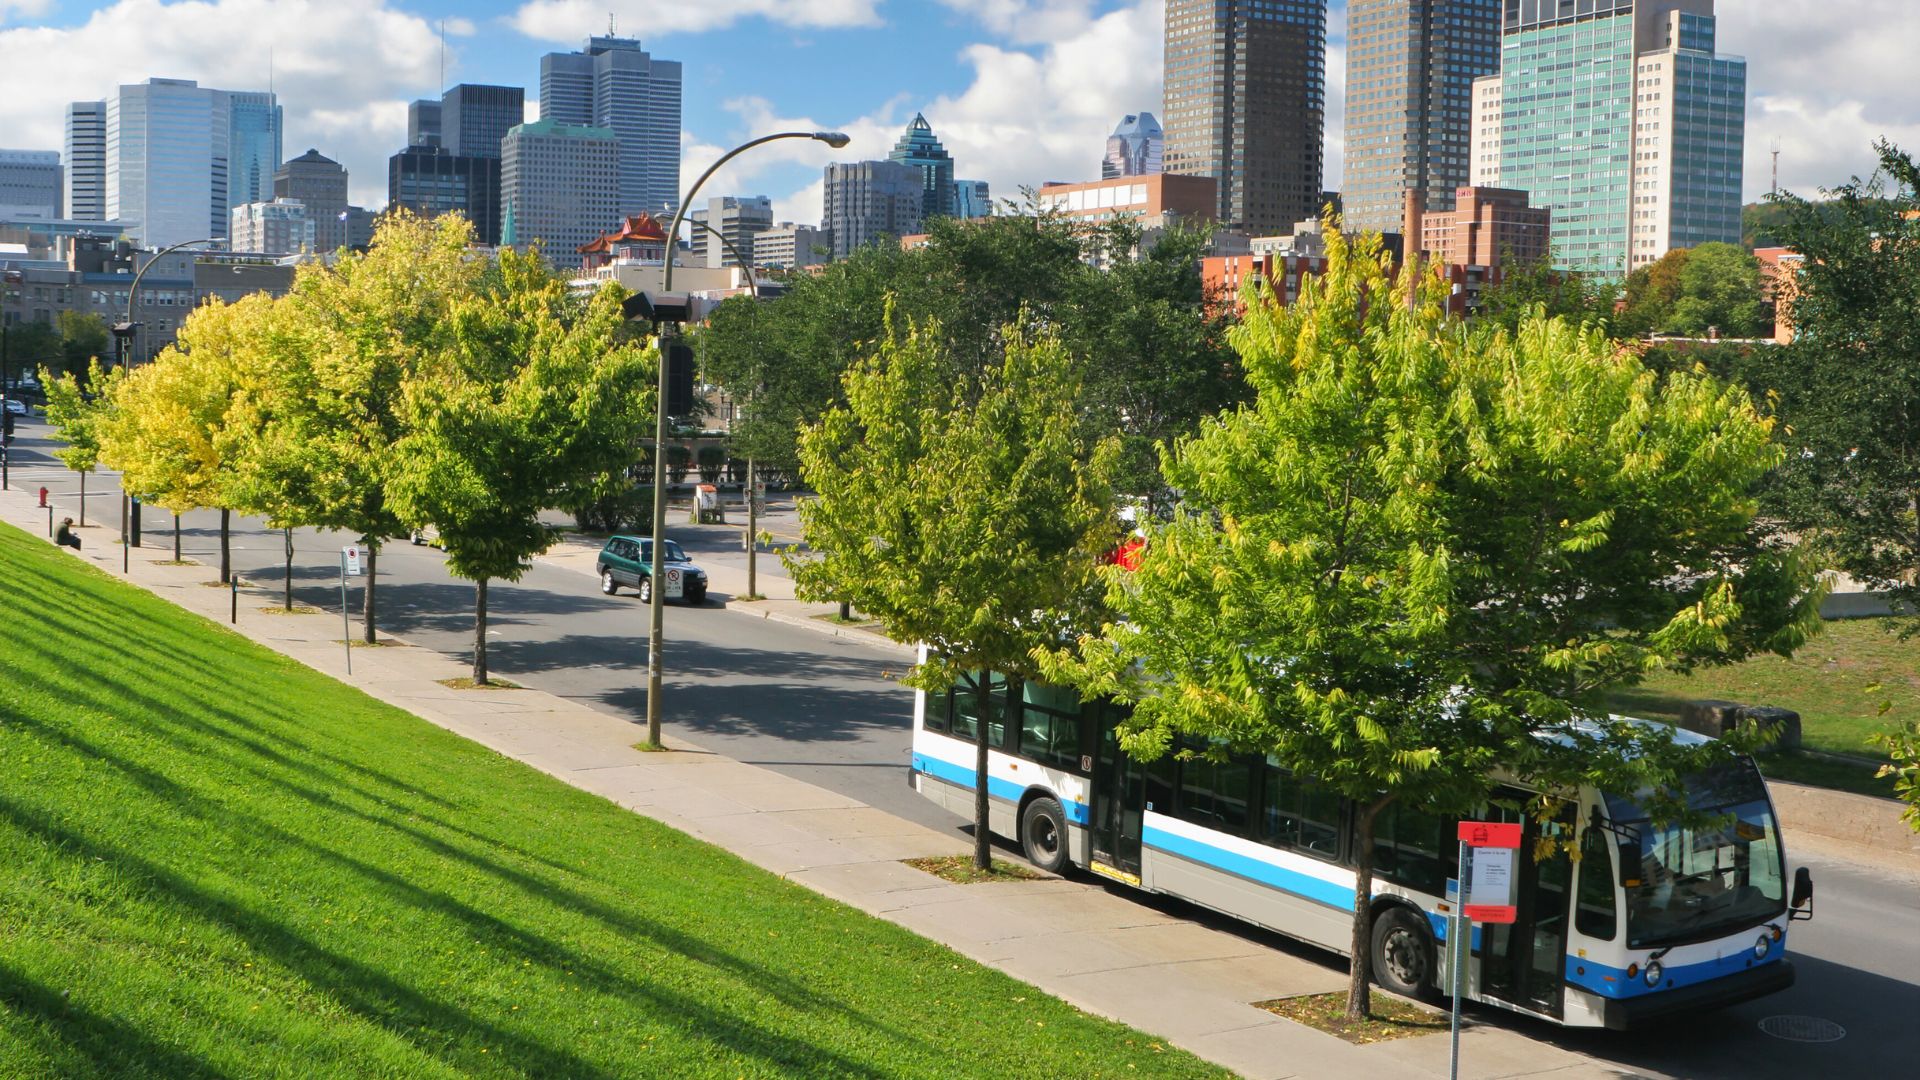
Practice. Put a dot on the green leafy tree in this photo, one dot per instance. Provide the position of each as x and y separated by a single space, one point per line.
325 414
1529 285
968 515
1651 292
79 411
1423 552
1720 290
83 339
530 398
1848 392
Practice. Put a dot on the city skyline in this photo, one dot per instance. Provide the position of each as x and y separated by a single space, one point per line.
1812 82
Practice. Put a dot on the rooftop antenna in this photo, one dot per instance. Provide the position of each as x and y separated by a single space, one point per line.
269 69
443 56
1776 165
610 30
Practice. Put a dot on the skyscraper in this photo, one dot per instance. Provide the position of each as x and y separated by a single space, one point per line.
740 218
86 161
919 148
1410 71
167 160
868 200
559 183
429 180
30 183
1246 103
1619 117
474 118
972 199
320 184
254 148
1135 148
423 123
616 85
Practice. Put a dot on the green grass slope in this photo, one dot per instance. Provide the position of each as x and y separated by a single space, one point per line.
219 863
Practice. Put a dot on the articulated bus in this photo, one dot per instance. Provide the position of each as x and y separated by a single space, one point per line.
1648 922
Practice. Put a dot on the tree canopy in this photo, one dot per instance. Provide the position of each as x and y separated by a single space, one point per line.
1423 551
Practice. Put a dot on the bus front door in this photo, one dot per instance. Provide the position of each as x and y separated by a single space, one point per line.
1119 797
1524 963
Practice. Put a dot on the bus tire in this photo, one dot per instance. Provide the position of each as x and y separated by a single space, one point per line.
1403 953
1043 834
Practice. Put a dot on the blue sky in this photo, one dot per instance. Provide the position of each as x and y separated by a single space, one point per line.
1021 91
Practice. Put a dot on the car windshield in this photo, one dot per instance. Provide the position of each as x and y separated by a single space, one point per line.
674 554
1691 884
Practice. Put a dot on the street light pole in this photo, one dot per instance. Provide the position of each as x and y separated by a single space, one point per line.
657 616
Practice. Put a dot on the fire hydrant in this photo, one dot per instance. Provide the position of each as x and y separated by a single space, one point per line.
43 497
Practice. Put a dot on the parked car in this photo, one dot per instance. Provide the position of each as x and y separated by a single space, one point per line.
17 407
426 536
628 560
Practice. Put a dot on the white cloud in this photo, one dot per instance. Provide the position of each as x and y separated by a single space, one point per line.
459 27
30 8
344 69
573 20
1028 22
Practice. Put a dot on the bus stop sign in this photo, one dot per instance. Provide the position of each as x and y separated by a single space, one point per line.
1487 850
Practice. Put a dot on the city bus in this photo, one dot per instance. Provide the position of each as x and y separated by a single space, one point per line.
1649 921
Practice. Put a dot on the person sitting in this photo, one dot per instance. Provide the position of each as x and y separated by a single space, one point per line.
65 536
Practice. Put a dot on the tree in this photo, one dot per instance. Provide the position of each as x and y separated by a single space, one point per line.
968 515
166 428
326 416
1651 293
529 399
83 339
1720 290
78 411
1526 285
1424 552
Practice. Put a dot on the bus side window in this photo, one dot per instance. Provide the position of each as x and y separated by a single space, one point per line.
1594 911
1407 846
1214 794
1160 774
966 704
1299 815
939 708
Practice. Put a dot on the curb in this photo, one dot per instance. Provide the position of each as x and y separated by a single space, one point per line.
1862 822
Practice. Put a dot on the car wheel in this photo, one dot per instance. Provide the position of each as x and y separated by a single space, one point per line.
1043 834
1402 953
646 590
607 584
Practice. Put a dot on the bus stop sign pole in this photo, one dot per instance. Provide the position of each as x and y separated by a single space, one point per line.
1484 894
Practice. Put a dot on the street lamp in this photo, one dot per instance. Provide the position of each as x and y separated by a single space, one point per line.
657 619
125 331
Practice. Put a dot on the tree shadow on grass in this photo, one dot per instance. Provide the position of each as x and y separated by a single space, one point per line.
82 1042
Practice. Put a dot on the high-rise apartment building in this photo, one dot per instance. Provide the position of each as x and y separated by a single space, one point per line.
559 184
279 227
320 184
919 148
474 118
1135 148
423 123
1485 136
870 200
789 246
972 199
738 218
431 180
167 159
616 85
1246 104
1410 71
86 161
1618 116
254 148
30 184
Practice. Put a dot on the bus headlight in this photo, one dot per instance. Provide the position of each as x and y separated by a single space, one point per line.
1762 947
1653 973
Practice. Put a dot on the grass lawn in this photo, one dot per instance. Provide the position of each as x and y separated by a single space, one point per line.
218 863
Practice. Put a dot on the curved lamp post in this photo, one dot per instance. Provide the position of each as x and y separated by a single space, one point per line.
657 617
125 332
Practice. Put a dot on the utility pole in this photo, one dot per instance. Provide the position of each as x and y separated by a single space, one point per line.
1776 167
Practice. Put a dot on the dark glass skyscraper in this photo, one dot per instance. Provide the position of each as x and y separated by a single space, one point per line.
1136 147
429 181
1246 105
919 148
474 118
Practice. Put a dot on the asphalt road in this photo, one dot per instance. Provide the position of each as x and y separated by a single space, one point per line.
827 710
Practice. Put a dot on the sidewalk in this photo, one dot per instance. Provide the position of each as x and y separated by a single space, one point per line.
1099 948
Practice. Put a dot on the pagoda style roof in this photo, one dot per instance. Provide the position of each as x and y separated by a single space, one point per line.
638 227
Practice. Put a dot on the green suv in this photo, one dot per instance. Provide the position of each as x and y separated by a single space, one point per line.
628 560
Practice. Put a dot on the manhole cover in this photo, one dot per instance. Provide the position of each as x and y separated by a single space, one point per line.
1806 1029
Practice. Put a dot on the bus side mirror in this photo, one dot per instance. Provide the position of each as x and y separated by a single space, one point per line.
1802 903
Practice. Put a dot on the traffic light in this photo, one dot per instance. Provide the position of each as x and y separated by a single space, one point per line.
679 380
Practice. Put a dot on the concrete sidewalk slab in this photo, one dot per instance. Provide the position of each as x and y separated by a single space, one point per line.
1105 952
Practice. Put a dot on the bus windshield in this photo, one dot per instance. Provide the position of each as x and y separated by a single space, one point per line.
1687 884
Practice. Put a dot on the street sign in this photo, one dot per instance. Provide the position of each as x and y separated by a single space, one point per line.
352 555
1488 849
676 583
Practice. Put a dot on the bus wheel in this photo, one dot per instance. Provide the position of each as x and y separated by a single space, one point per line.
1402 953
1043 834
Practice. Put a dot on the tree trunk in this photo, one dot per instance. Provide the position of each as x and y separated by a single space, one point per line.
366 612
176 536
226 547
983 712
289 569
83 499
480 632
1360 972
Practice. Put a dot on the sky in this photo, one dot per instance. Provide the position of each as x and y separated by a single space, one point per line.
1020 91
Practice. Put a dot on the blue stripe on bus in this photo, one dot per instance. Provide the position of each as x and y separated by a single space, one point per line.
1279 877
997 788
1609 981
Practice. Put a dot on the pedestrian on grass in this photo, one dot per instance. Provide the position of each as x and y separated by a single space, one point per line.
65 536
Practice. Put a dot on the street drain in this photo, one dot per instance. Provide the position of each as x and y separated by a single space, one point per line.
1806 1029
